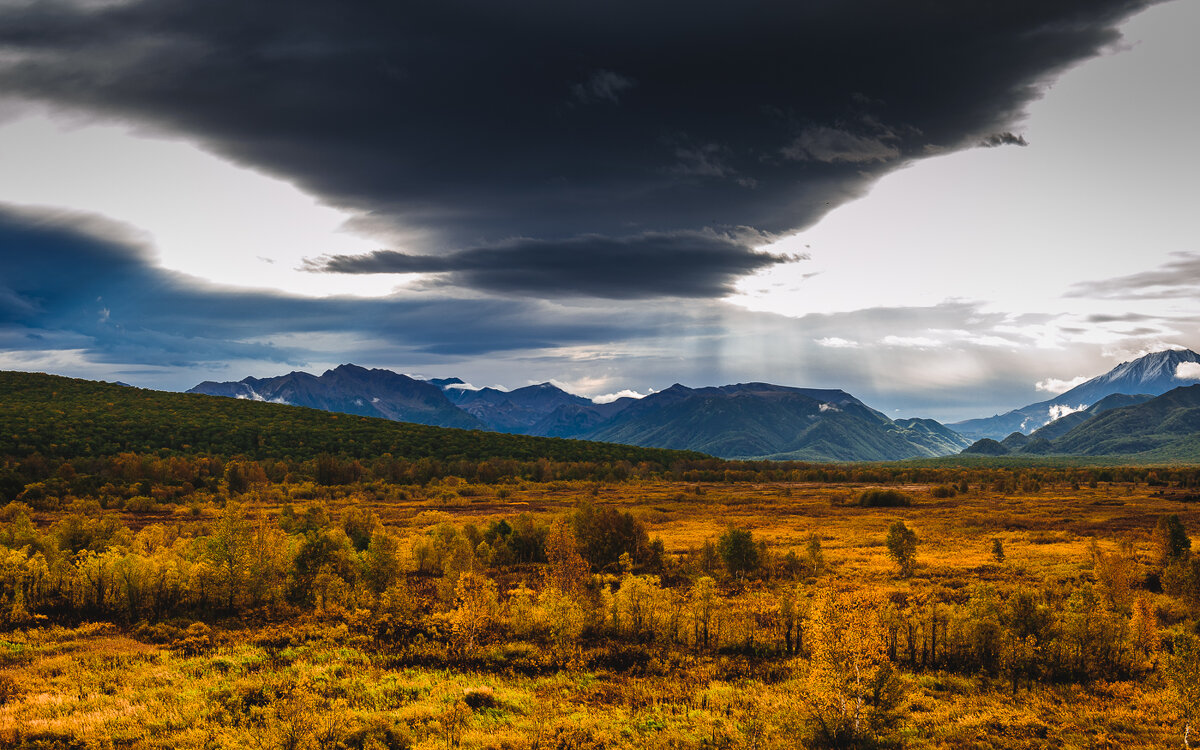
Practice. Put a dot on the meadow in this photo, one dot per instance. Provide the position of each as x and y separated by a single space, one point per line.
1038 608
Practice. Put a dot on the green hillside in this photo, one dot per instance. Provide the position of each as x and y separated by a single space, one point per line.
1163 428
67 417
1159 430
774 423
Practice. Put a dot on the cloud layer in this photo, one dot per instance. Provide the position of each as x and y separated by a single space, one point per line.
680 264
1176 279
117 306
117 315
535 162
466 123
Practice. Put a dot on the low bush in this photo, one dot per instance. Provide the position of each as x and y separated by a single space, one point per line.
877 497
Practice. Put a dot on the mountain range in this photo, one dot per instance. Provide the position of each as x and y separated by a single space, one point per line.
353 390
1136 428
746 420
758 420
1153 374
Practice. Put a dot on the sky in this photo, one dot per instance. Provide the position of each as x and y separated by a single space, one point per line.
947 209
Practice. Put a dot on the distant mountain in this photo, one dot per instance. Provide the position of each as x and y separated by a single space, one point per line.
1063 425
934 435
748 420
986 447
1134 428
760 420
543 409
517 411
352 390
1015 441
1153 374
577 420
69 418
1164 428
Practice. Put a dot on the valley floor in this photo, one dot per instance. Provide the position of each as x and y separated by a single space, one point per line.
356 668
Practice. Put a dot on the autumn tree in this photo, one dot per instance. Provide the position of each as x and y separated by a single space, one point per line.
1182 670
703 604
228 547
980 628
566 570
382 561
816 558
1172 540
239 476
360 525
635 605
790 601
1093 634
1143 632
605 534
1182 579
738 551
851 691
322 558
521 611
476 609
565 619
997 550
1115 572
902 546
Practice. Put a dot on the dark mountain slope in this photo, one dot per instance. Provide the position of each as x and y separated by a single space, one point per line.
1015 441
517 411
750 420
1060 427
66 417
932 434
575 420
985 447
352 390
767 421
1166 427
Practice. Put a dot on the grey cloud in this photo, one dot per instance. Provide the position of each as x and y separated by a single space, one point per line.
1177 278
681 264
172 328
1123 318
1142 331
467 122
832 146
706 160
1003 139
603 85
167 319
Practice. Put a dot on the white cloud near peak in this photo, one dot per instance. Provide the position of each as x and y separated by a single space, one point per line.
608 398
1055 385
1188 371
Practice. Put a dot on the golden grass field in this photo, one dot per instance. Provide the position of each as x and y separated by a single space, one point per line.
319 680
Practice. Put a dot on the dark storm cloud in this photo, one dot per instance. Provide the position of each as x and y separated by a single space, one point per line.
1177 278
603 85
472 121
682 264
67 286
1003 139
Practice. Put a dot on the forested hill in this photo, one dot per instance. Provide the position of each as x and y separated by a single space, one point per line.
67 417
